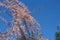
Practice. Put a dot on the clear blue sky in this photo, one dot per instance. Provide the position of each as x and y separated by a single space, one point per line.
48 16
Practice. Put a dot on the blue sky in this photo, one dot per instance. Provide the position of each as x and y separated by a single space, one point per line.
48 16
